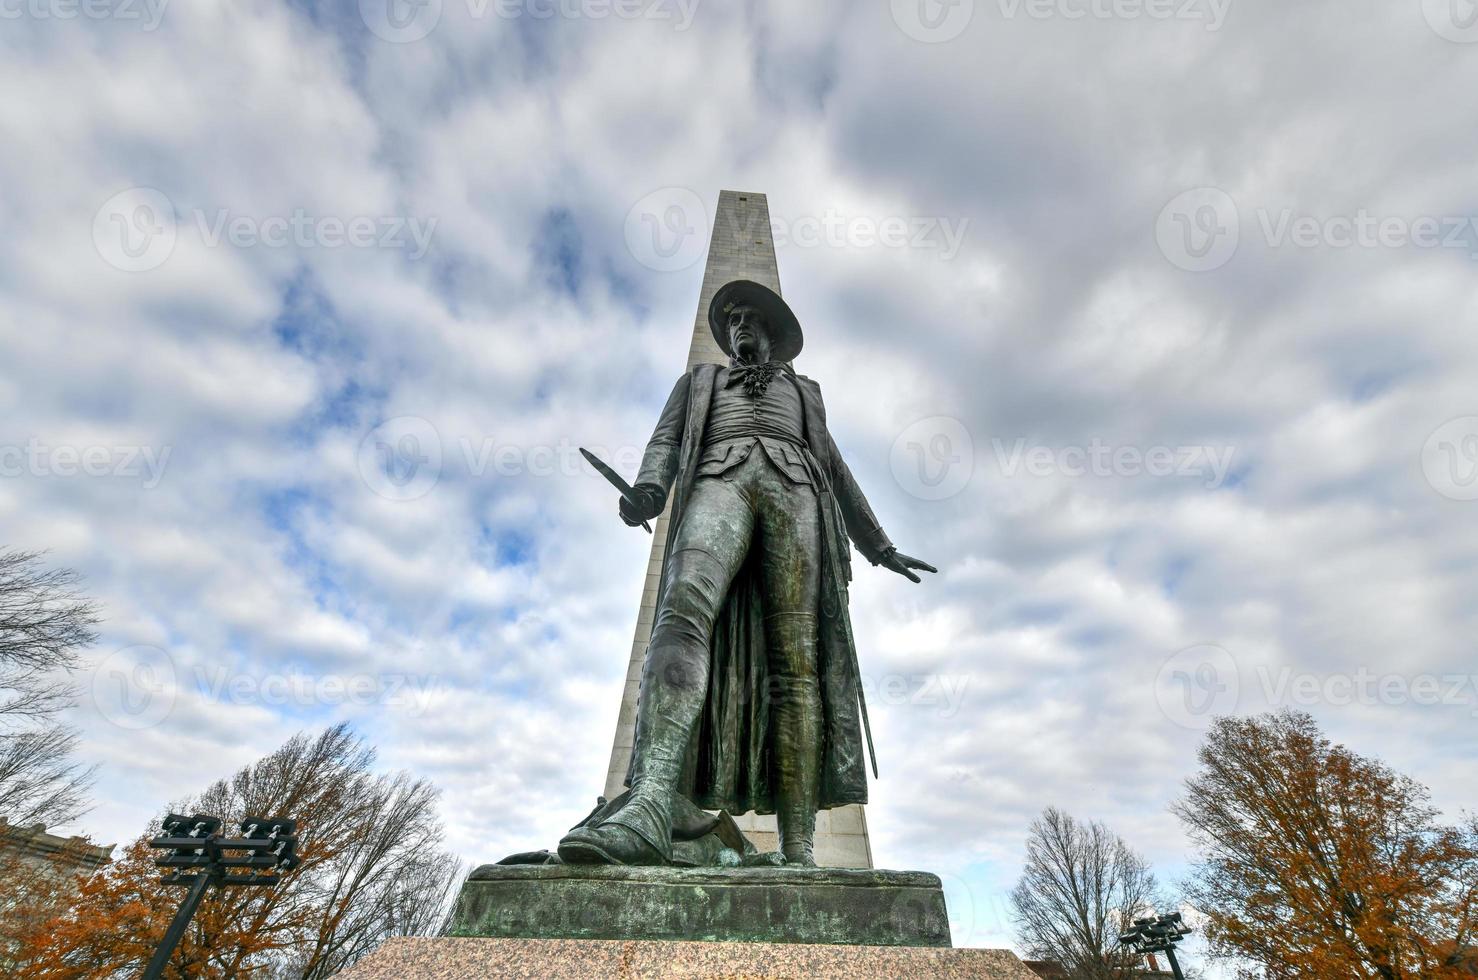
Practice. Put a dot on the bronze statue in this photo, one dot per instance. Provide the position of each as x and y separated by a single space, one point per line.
750 695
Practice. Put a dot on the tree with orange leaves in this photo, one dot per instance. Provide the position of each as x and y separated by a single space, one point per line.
372 866
39 884
1319 863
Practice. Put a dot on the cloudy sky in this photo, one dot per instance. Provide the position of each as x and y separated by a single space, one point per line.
1150 322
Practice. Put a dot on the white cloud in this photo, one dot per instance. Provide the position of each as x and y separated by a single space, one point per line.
1051 144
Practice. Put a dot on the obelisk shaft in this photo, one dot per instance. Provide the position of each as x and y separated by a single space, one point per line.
741 247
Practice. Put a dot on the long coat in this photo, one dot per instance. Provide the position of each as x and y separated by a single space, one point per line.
729 764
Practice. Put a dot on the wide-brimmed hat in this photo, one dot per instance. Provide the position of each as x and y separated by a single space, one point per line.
784 329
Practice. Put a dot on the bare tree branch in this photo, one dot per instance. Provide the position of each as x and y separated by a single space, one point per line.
1081 885
45 622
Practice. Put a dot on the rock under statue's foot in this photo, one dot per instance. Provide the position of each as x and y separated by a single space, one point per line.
608 843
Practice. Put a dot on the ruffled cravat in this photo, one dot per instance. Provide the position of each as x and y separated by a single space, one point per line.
755 377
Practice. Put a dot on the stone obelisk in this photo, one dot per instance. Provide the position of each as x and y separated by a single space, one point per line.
741 247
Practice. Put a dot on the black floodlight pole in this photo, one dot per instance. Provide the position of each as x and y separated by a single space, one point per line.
1174 966
1158 936
195 843
177 926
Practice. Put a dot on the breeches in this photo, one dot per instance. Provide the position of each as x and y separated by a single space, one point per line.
750 506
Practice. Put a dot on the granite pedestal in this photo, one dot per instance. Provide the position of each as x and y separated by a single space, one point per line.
576 959
766 905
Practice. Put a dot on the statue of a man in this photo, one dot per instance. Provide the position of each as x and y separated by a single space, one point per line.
749 692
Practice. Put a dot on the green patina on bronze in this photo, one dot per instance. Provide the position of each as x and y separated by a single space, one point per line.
750 695
776 905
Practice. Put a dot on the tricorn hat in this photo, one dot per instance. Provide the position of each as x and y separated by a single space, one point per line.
784 328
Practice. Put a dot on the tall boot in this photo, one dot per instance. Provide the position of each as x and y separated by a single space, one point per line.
640 831
797 719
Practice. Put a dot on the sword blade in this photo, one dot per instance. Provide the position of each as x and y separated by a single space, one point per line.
615 481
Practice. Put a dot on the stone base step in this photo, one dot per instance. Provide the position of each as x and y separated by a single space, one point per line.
568 959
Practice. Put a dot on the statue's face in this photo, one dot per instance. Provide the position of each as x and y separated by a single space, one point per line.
748 336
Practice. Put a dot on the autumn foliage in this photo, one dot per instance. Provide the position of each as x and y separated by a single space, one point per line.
372 866
1318 863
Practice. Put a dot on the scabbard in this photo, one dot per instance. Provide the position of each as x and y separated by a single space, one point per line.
834 540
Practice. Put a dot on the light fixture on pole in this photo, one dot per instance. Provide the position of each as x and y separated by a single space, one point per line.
195 843
1158 935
